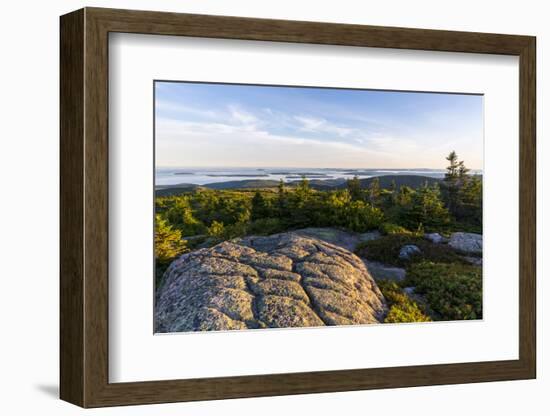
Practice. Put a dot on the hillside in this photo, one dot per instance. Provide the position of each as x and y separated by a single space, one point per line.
414 181
170 190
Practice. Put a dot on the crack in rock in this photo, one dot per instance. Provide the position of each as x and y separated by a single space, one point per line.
278 281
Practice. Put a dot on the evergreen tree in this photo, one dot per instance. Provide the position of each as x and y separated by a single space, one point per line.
452 169
427 209
216 229
470 198
361 216
393 187
282 200
404 196
303 191
181 216
462 170
388 198
301 204
260 208
374 191
354 188
452 182
168 242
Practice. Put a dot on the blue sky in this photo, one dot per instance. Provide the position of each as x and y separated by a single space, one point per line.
218 125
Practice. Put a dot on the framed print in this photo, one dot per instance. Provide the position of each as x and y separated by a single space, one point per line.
255 207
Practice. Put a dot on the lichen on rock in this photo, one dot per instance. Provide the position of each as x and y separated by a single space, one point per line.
283 280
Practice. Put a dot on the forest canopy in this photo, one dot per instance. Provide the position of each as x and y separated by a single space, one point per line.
204 217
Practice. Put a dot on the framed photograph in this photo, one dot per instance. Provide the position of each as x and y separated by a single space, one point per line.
255 207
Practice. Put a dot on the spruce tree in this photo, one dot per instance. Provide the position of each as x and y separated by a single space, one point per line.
282 203
354 188
259 207
374 192
452 169
427 209
452 181
462 170
168 242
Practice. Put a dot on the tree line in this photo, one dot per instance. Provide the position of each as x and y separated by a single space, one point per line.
455 203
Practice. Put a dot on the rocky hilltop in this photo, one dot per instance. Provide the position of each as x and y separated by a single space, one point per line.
284 280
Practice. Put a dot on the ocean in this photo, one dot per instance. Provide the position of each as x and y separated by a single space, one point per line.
203 176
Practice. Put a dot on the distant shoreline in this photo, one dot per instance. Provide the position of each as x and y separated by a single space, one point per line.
385 182
217 178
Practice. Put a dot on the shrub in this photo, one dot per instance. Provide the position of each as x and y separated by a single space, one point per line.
386 250
267 226
361 216
168 246
216 229
238 229
180 215
453 291
402 308
168 242
388 228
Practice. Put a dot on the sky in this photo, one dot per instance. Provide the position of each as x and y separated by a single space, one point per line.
223 125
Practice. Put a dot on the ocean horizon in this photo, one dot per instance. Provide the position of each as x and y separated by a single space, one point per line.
208 175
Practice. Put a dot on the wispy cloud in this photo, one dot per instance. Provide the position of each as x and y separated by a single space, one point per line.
214 125
163 106
318 125
242 116
218 144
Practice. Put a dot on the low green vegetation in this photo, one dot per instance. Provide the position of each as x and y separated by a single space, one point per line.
449 292
388 228
453 291
386 250
168 245
199 217
401 307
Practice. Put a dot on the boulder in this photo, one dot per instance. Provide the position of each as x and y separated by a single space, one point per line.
409 291
369 236
346 239
467 242
408 251
476 261
435 238
329 235
380 271
283 280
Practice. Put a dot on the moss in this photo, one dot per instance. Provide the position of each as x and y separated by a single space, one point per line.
386 250
402 308
453 291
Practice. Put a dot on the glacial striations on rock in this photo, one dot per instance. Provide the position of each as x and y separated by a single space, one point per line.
283 280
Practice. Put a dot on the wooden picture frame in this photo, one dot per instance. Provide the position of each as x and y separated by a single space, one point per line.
84 207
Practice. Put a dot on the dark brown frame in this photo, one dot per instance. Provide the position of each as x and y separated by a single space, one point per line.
84 208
